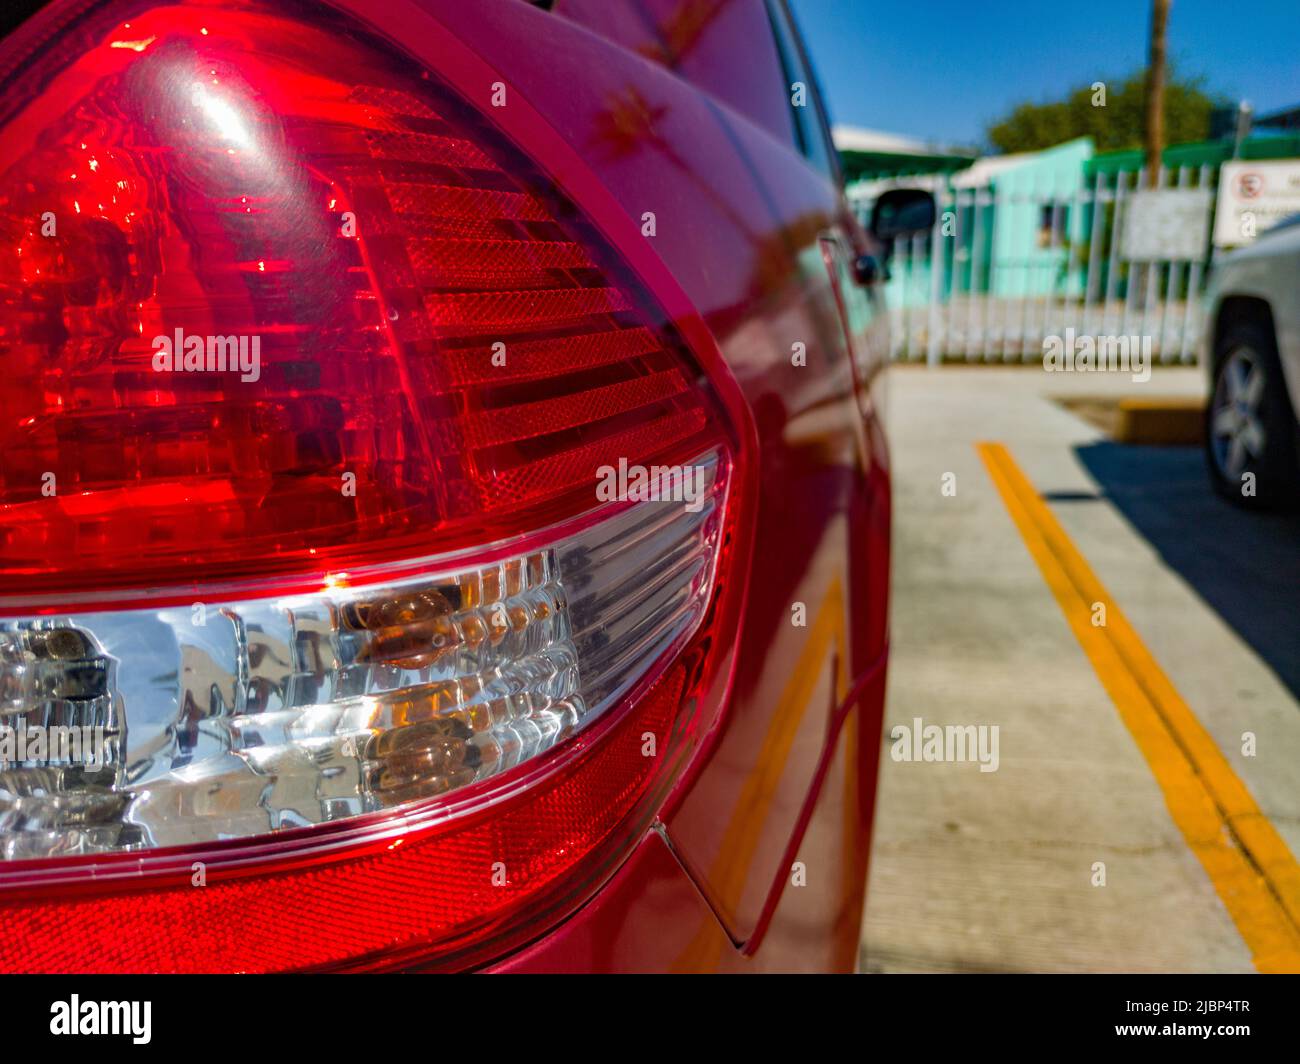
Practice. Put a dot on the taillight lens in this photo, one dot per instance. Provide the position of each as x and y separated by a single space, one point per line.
271 300
311 380
194 723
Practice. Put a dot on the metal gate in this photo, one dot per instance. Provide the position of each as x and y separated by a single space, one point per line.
964 292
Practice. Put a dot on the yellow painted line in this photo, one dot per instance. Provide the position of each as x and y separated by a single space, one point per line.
1249 864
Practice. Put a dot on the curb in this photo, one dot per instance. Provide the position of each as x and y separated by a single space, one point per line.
1161 421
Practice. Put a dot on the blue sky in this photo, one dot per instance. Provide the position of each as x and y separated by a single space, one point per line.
943 69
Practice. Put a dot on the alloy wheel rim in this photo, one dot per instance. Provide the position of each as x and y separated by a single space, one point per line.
1236 422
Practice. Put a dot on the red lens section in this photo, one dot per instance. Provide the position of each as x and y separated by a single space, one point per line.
273 300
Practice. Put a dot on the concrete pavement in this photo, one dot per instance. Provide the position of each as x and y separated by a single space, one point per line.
995 871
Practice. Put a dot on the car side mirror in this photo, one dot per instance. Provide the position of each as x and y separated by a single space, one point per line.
901 212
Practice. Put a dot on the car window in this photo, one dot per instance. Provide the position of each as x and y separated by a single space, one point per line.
812 131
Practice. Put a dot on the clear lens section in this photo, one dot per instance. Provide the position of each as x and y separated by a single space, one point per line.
131 729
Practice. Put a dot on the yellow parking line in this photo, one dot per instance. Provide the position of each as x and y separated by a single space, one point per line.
1249 864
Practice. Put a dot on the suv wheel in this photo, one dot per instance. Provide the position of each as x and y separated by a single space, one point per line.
1251 440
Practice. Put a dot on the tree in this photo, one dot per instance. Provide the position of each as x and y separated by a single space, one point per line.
1119 122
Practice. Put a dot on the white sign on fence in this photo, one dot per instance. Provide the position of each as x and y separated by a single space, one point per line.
1253 197
1167 224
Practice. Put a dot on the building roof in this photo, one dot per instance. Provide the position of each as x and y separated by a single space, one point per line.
871 153
984 169
1198 153
1287 118
855 138
988 168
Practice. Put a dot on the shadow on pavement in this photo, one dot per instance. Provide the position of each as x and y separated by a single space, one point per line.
1245 566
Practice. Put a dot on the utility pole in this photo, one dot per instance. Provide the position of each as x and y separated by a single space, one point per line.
1245 115
1155 86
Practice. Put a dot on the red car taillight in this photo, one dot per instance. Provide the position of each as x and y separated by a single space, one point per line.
322 405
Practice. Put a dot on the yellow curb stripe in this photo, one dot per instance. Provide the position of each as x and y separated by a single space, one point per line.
1252 869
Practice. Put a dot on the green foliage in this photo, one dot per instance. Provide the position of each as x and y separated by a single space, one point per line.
1118 124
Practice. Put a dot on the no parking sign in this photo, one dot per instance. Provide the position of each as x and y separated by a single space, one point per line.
1254 197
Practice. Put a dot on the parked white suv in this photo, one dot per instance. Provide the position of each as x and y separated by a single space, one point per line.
1252 353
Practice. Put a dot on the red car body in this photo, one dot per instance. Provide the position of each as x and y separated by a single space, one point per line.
754 856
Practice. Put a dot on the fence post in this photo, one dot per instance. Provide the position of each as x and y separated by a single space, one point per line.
1185 352
1092 283
934 348
976 337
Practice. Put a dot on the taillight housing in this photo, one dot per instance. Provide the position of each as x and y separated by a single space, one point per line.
365 519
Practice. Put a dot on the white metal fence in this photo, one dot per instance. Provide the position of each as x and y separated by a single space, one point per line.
980 288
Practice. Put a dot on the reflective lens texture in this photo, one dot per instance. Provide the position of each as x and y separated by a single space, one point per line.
274 299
